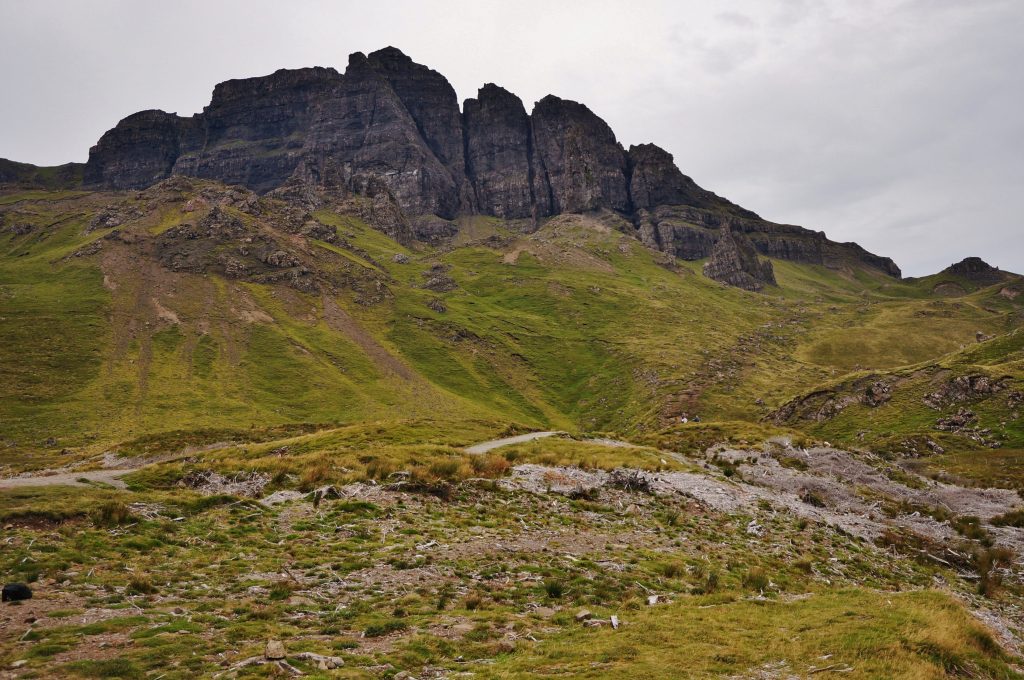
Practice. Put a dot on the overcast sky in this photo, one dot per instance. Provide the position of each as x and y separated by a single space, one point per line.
898 124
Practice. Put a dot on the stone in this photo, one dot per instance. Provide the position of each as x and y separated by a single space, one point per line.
877 393
253 128
584 615
690 233
365 141
138 152
15 592
274 650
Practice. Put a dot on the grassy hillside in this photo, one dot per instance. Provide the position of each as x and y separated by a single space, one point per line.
286 395
576 327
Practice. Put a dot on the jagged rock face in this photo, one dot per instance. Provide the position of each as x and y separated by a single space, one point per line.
253 131
431 101
138 153
498 152
365 141
580 160
655 180
734 262
691 233
388 135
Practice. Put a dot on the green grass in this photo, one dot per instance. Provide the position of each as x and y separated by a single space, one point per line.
576 327
583 330
906 635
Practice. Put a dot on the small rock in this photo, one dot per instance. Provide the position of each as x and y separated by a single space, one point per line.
400 258
19 663
275 650
13 592
615 622
652 600
583 615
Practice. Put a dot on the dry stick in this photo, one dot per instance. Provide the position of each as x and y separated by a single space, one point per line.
833 667
291 575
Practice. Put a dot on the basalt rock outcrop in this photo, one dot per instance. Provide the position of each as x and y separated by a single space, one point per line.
690 233
499 153
581 165
734 262
654 180
390 131
977 271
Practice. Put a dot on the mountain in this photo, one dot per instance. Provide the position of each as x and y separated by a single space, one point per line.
340 378
392 128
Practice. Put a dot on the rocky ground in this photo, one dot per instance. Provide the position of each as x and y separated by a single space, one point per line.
475 578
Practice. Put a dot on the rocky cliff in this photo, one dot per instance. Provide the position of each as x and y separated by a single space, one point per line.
499 153
391 130
734 263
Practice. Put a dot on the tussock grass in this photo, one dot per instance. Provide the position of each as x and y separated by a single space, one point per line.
906 635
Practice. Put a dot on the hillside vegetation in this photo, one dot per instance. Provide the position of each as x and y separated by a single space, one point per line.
821 477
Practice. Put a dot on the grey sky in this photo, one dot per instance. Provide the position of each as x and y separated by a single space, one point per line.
898 124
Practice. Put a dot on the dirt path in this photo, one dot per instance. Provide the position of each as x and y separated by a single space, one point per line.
484 447
111 477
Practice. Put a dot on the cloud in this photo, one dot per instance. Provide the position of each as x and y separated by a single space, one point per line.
893 123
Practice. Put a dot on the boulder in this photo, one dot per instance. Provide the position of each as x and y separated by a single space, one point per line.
15 592
274 650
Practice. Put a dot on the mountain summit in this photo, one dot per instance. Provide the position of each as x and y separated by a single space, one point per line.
392 130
